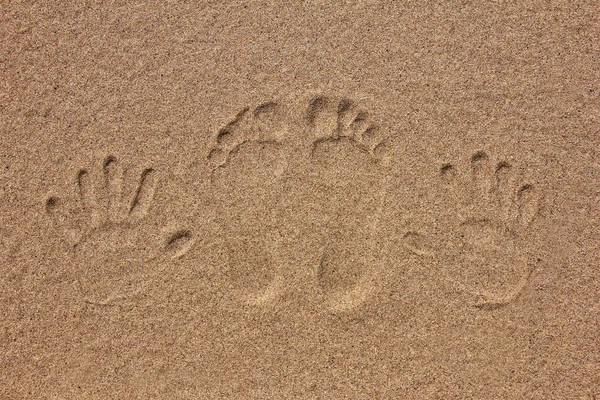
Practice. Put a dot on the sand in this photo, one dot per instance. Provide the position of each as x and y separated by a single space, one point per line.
313 200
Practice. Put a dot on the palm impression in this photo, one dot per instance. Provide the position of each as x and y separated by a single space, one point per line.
110 226
483 229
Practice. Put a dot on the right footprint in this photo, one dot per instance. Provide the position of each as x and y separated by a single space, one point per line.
487 212
347 183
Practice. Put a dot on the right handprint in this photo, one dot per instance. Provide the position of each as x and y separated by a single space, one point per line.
486 211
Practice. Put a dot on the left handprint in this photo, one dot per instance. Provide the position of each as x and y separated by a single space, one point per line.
109 228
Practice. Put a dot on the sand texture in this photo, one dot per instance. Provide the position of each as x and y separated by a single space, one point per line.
300 200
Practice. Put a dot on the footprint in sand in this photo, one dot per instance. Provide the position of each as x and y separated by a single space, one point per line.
322 184
484 214
109 225
248 160
346 181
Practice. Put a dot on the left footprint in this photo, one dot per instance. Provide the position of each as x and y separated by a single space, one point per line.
249 158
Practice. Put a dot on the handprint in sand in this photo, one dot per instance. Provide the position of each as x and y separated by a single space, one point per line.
109 225
481 237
